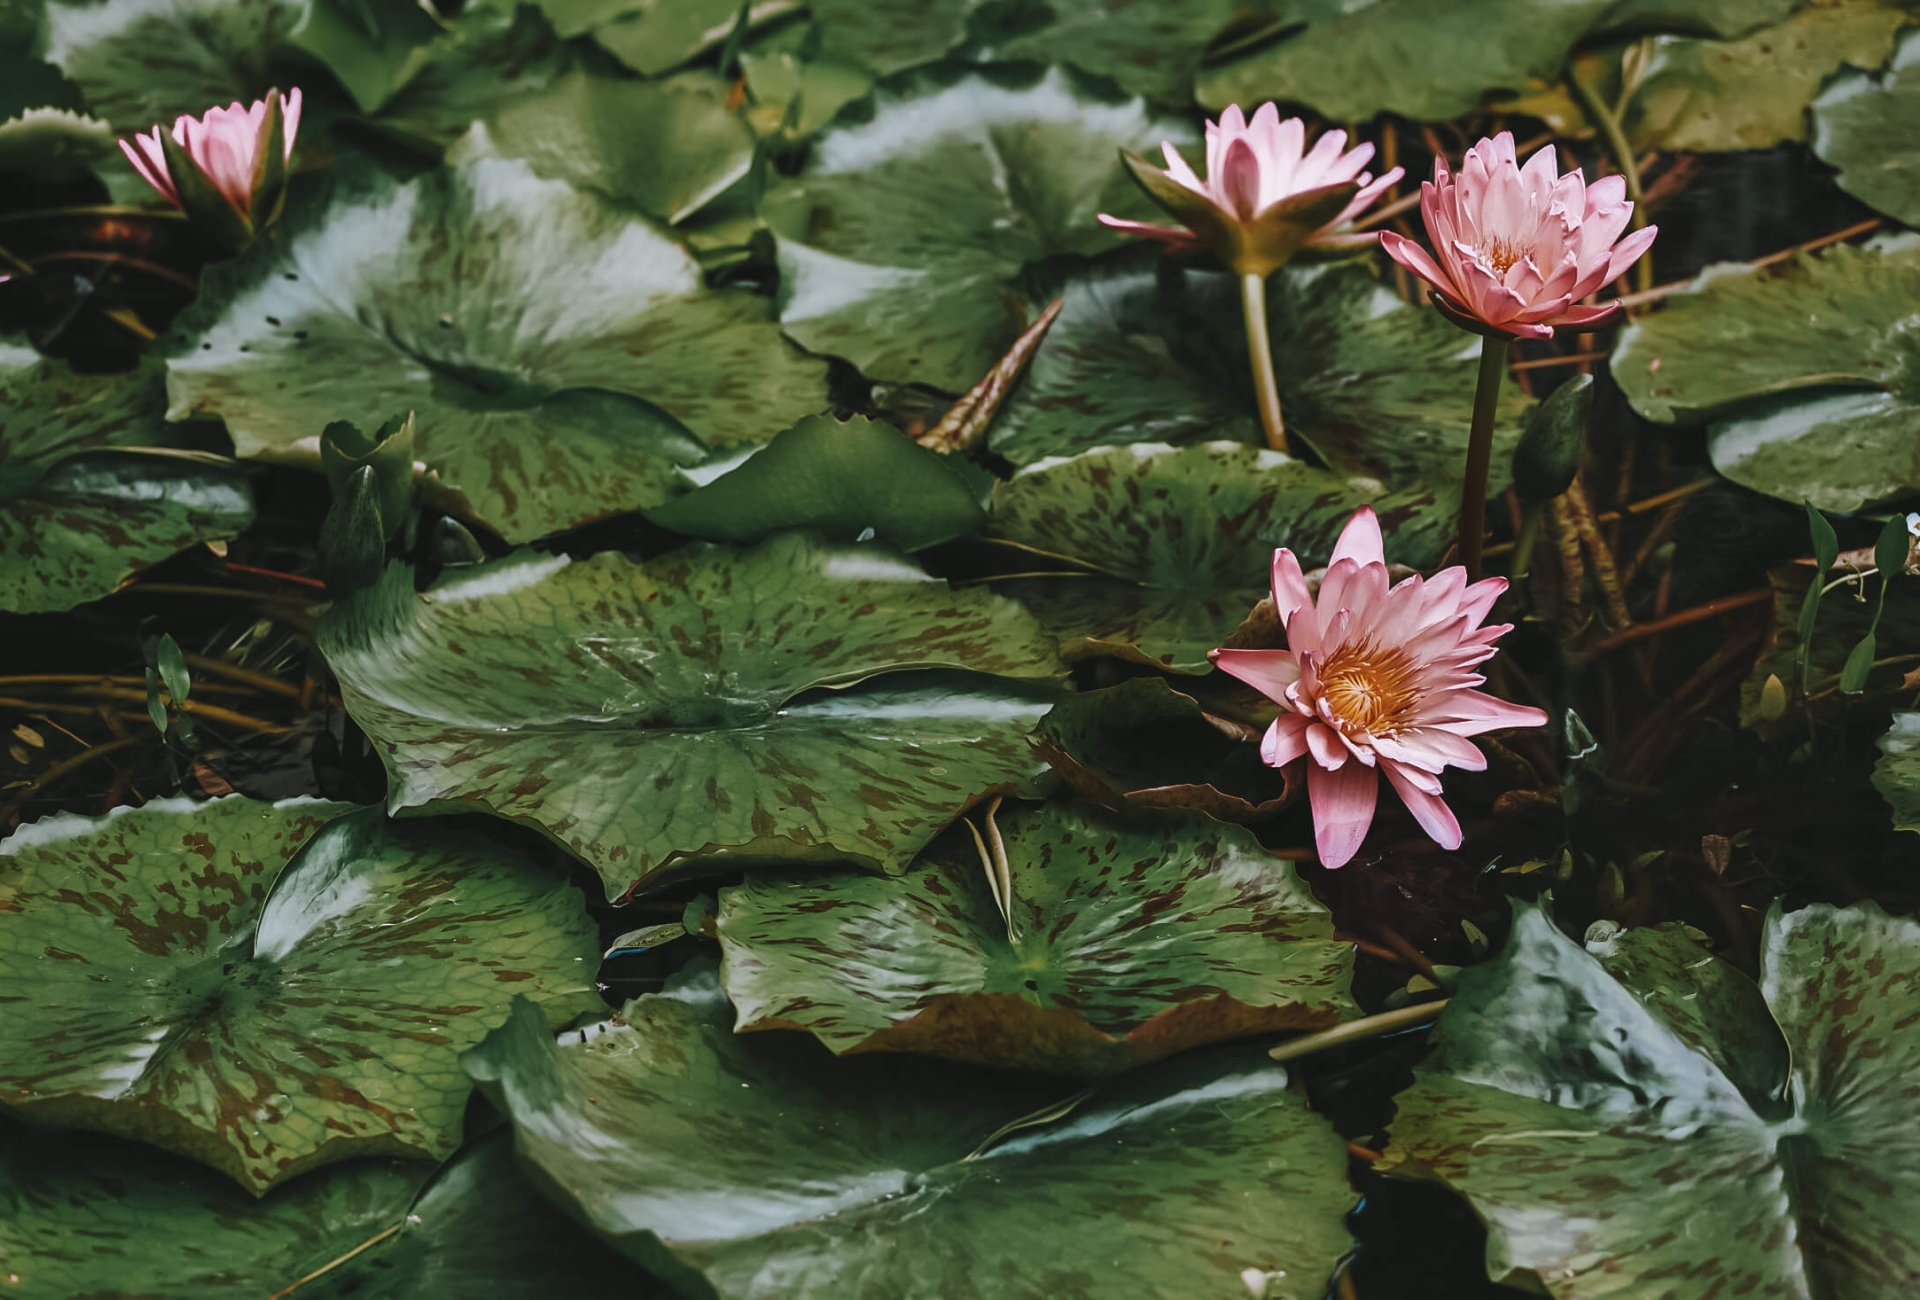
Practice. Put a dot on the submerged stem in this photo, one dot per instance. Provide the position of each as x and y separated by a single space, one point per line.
1473 494
1253 297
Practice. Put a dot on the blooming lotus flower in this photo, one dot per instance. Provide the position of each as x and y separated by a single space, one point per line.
1376 680
1516 248
227 169
1265 194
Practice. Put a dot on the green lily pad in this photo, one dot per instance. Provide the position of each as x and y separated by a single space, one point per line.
1802 371
1725 19
752 1169
1842 621
666 147
1142 744
1637 1119
374 50
1373 385
50 141
495 52
1129 941
1897 775
1424 59
1753 93
1867 125
652 716
851 480
656 36
143 62
167 981
77 519
1160 586
556 351
904 241
113 1220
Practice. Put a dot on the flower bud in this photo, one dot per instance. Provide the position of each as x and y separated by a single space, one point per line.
1549 452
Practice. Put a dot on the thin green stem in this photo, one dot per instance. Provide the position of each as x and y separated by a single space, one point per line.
1523 545
1253 297
1607 122
1473 493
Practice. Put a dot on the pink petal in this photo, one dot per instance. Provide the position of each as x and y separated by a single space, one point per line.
1239 182
1415 259
1360 540
1629 250
1343 802
1435 818
1175 237
1285 740
1178 169
1325 747
1578 317
1471 713
290 119
1431 749
1268 671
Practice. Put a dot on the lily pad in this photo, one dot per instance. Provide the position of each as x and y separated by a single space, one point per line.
1897 775
1638 1119
168 981
1371 384
1424 59
52 141
1158 588
1142 744
1867 125
495 52
113 1220
77 519
372 49
666 147
1753 93
656 36
146 61
561 357
1725 19
852 480
1128 941
904 240
1802 371
652 716
752 1169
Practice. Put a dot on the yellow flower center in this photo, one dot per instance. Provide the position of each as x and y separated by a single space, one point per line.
1368 688
1500 255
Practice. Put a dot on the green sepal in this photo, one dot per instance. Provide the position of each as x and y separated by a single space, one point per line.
221 225
1210 224
353 537
1258 247
387 451
1549 452
269 166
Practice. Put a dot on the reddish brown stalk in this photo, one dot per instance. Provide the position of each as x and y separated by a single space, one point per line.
967 418
1662 290
1408 953
1580 513
1695 614
1565 359
276 574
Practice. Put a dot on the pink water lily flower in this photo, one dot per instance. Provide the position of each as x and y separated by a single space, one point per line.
1253 169
1516 248
222 144
1377 680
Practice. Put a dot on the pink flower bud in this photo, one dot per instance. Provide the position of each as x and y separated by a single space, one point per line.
222 145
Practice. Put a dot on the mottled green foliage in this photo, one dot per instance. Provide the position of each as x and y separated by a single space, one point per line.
1753 93
1805 372
91 1216
1423 59
1145 745
647 716
1639 1119
657 36
1897 774
1373 385
903 242
141 62
1130 940
561 357
753 1169
165 980
84 1215
1868 126
78 519
851 480
493 53
665 147
1177 544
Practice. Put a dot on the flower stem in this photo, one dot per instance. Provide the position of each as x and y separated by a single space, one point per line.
1607 122
1473 493
1253 296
